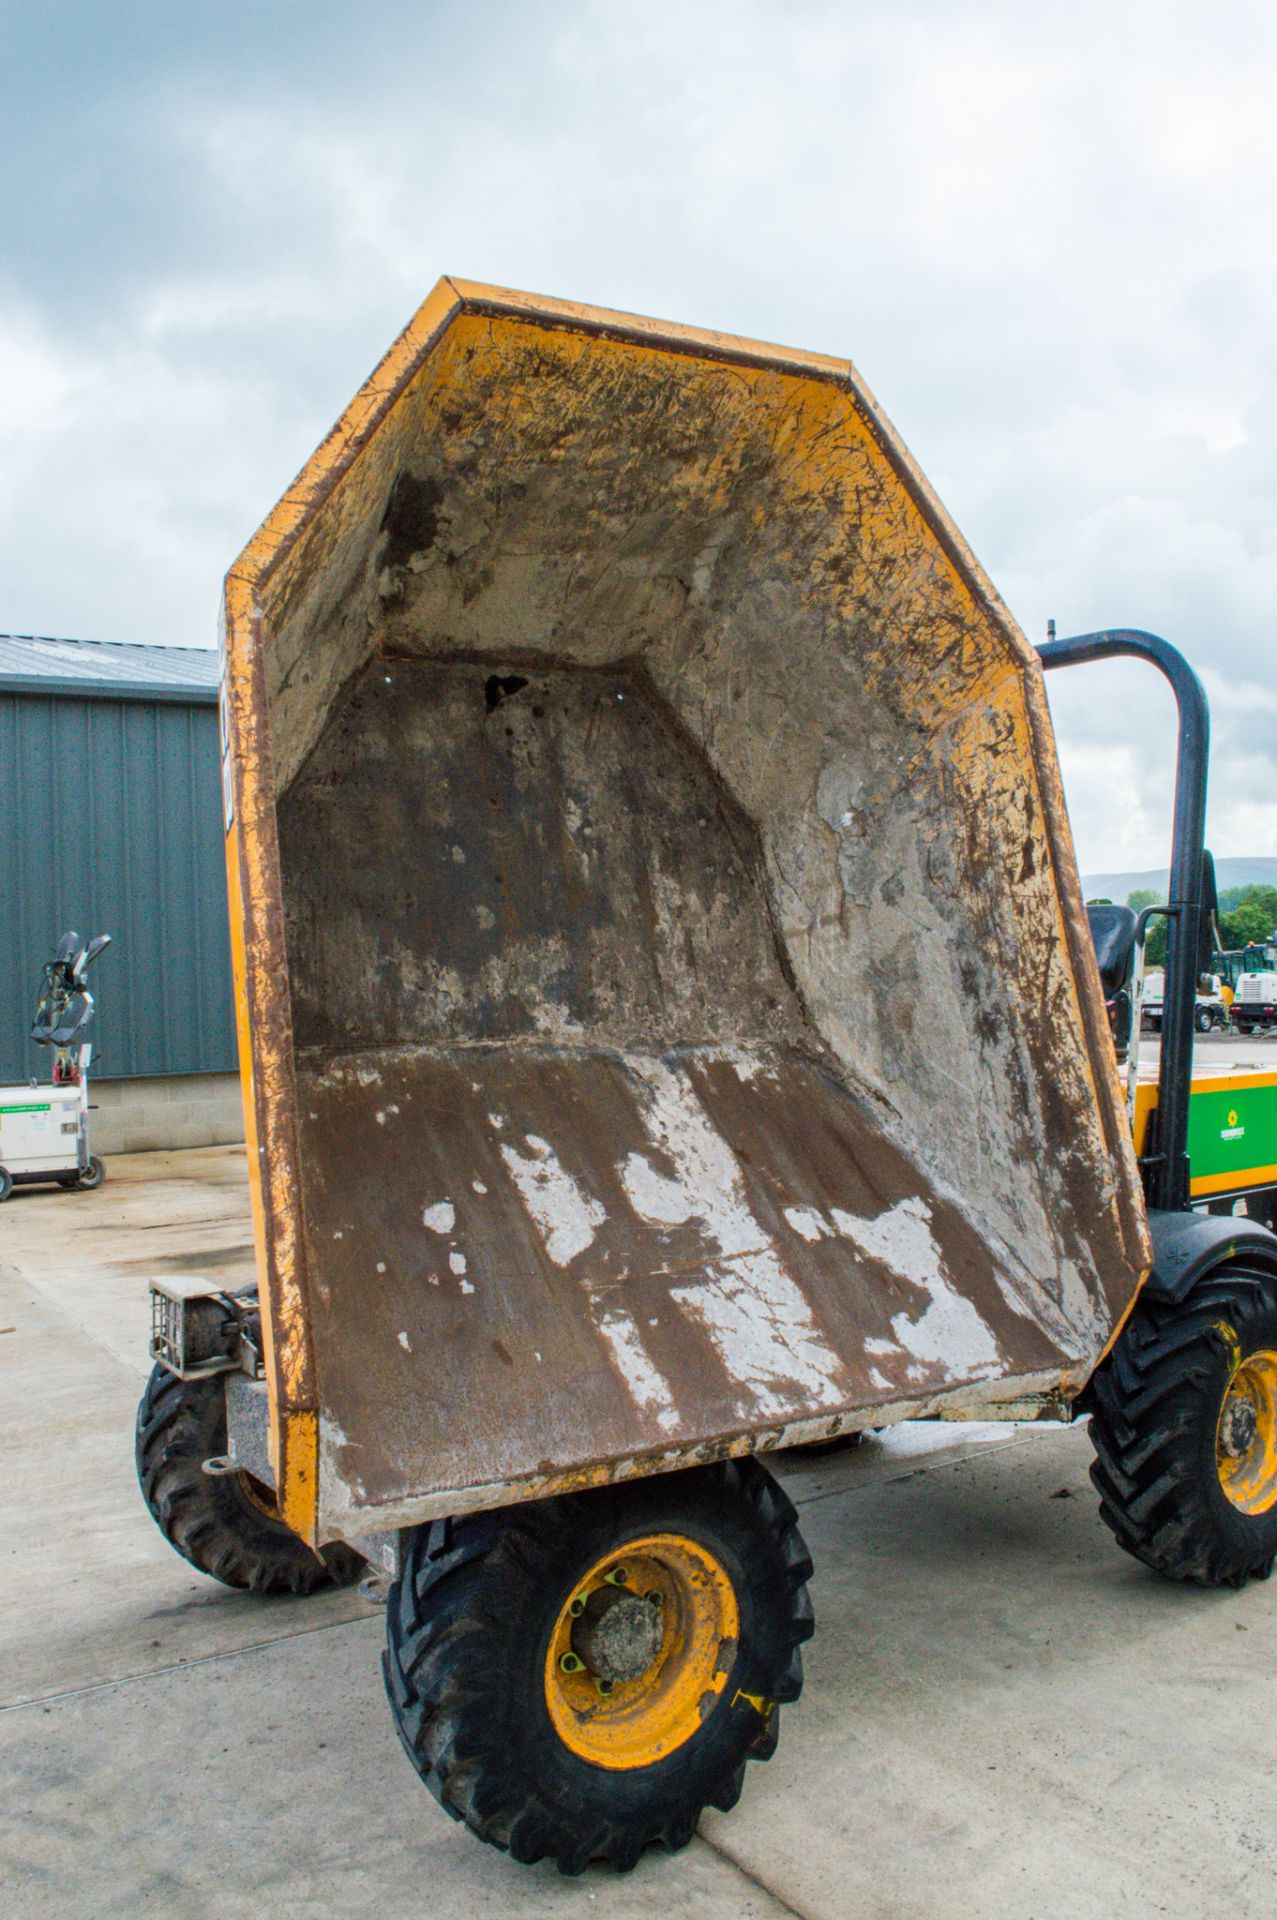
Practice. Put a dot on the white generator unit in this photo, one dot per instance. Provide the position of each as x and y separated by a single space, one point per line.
44 1130
44 1135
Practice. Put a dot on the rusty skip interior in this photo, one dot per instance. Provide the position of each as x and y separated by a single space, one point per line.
689 1030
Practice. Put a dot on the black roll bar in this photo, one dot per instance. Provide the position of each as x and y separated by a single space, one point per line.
1166 1172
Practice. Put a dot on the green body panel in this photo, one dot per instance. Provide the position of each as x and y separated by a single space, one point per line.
1232 1132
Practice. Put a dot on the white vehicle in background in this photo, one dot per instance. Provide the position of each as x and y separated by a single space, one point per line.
1212 1008
1255 996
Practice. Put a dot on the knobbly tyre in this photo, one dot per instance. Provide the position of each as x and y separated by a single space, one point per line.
611 717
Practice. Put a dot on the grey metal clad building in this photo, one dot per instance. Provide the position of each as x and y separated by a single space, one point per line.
110 822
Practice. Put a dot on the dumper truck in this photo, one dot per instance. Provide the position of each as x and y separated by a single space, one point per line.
611 715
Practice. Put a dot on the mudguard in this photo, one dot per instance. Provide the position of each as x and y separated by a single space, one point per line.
1186 1245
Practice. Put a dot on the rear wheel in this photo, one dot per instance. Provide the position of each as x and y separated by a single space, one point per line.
225 1524
582 1677
6 1183
84 1179
1185 1431
1203 1019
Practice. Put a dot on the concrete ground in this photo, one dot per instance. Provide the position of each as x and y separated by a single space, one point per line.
1227 1052
1003 1715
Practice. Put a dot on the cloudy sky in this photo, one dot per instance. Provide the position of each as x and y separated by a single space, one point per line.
1047 236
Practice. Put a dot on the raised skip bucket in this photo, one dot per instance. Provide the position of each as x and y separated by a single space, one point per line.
669 1018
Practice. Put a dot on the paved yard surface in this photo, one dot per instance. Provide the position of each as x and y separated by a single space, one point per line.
1216 1053
1003 1715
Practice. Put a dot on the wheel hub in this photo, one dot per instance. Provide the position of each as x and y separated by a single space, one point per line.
619 1634
640 1654
1246 1437
1238 1427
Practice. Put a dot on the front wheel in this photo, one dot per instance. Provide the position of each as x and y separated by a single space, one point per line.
582 1677
1185 1430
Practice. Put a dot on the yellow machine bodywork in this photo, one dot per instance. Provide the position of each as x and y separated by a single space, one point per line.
614 725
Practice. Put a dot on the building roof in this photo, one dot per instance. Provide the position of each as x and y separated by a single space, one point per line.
107 669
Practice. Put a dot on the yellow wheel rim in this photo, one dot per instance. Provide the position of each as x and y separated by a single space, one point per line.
1246 1438
683 1648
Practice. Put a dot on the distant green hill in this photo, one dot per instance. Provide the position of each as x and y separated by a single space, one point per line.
1239 871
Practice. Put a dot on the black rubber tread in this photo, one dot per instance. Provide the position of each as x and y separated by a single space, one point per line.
468 1625
1155 1413
209 1518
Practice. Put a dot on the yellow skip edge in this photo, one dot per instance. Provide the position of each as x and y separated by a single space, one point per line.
299 1472
293 1430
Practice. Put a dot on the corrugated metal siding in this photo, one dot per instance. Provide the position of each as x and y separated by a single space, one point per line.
110 822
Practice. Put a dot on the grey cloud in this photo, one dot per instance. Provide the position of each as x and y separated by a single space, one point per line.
1035 233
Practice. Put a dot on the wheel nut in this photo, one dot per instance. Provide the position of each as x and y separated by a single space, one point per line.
571 1664
655 1598
604 1687
618 1576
